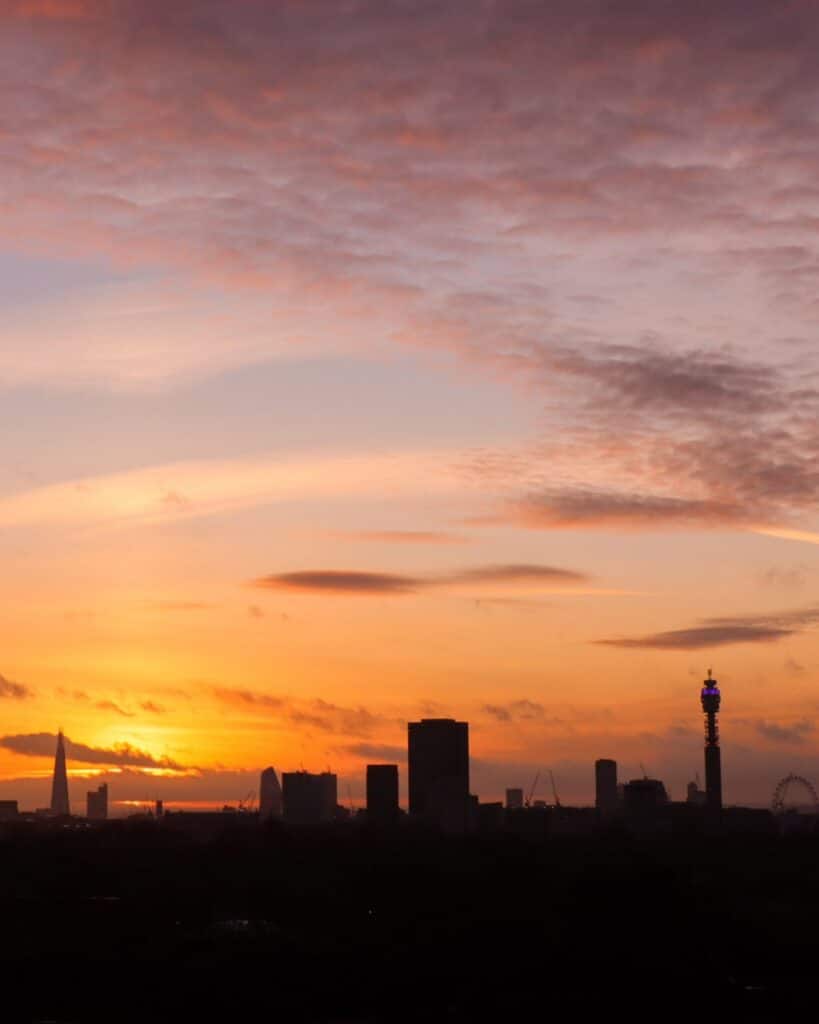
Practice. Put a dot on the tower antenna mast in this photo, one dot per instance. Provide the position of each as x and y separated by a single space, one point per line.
710 698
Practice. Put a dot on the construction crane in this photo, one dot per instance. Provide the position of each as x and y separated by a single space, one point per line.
247 803
528 801
554 788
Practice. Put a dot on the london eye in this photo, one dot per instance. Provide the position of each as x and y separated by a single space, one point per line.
784 787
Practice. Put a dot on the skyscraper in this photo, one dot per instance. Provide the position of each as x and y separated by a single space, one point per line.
605 779
710 698
270 795
309 799
382 793
96 803
439 772
59 785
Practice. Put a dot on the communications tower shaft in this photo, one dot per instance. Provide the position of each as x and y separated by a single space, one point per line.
710 698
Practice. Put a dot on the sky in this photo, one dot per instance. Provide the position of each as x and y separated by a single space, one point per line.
369 360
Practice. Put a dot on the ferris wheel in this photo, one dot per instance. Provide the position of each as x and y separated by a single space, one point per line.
778 804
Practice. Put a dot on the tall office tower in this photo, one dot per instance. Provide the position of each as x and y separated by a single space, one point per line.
514 799
96 804
606 798
59 784
439 772
382 793
710 697
309 799
270 795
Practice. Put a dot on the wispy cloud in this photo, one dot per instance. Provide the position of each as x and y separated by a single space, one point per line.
43 744
338 581
214 487
15 691
595 509
720 632
241 697
377 752
110 705
795 734
357 582
675 404
314 713
526 710
789 577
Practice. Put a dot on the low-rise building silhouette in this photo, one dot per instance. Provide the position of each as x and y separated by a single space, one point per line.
9 810
96 803
644 796
491 817
695 795
514 799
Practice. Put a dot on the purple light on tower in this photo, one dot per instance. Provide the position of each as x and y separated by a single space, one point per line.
710 697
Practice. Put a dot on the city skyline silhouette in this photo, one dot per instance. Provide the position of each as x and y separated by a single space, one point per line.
439 362
437 786
409 509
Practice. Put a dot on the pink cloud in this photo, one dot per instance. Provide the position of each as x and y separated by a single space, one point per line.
612 209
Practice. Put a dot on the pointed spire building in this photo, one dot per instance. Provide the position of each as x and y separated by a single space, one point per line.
59 785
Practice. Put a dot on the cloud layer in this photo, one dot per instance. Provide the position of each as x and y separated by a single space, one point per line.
612 209
336 581
720 632
306 714
44 744
16 691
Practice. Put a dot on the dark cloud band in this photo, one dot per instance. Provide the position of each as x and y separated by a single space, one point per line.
354 582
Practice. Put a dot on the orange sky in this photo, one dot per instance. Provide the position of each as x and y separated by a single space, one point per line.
360 365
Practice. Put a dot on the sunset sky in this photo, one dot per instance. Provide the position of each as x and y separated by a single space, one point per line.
368 360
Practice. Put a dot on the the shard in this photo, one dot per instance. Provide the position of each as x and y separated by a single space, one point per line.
59 785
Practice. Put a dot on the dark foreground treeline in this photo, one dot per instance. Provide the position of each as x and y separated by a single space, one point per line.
135 923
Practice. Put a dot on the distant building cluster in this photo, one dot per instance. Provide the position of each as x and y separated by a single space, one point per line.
438 786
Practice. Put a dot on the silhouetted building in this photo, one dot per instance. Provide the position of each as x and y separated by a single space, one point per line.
382 793
491 817
309 799
96 803
748 820
514 799
644 796
606 798
159 809
710 698
695 795
270 795
439 772
8 810
59 784
571 821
